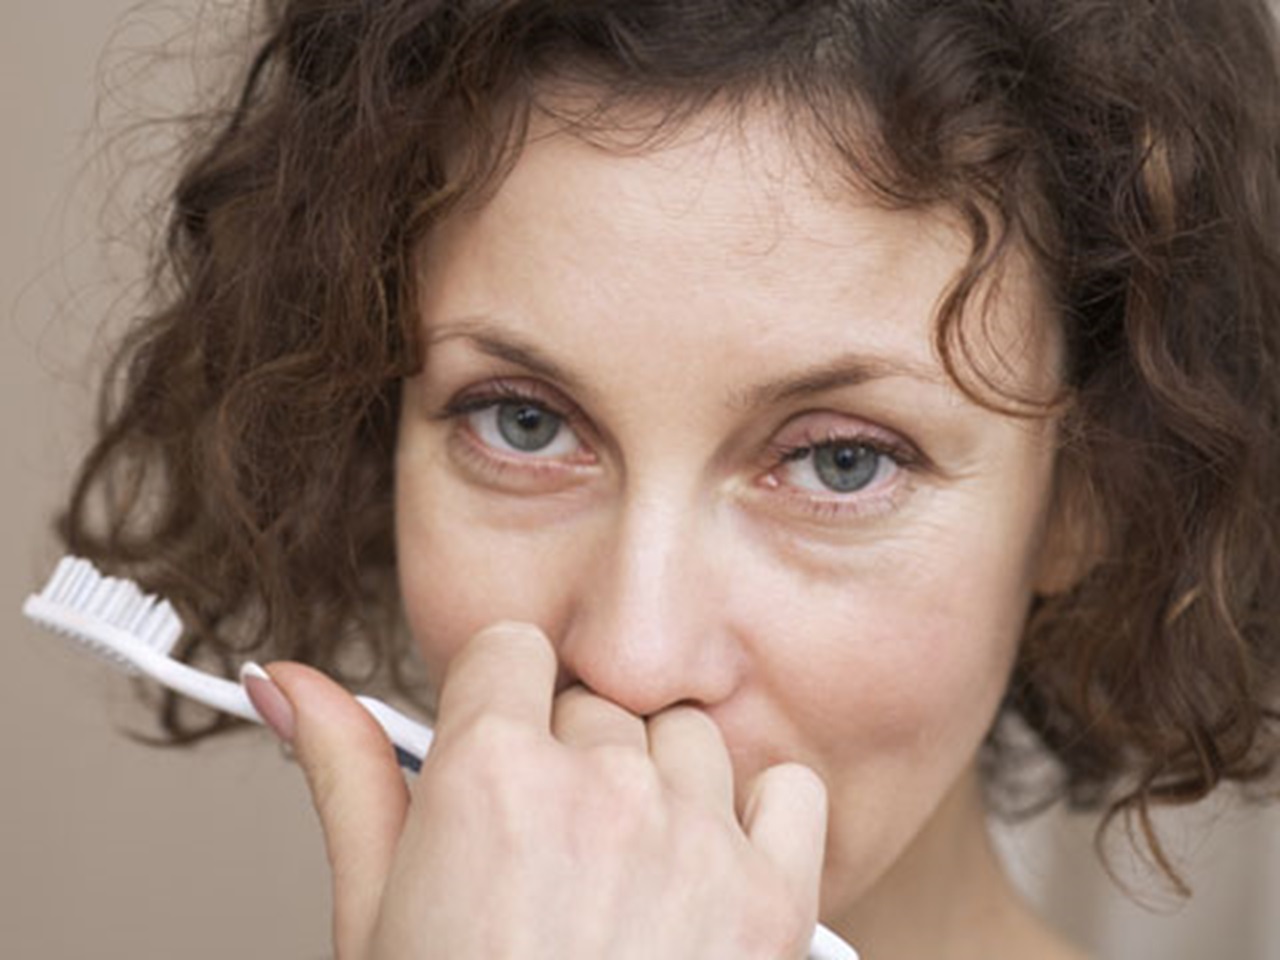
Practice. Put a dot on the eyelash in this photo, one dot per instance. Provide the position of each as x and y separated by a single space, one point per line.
835 506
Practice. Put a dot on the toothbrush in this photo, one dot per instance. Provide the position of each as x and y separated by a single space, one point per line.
137 631
115 619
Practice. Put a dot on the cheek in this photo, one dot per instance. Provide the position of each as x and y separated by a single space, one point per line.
947 638
887 686
458 574
898 664
888 664
933 666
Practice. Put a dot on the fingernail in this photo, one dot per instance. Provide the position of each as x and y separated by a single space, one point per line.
267 699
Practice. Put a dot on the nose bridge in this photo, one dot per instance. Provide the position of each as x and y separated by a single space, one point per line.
648 629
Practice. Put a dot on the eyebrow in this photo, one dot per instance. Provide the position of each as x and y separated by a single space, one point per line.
844 371
503 345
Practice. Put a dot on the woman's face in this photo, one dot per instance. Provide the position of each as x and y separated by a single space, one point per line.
682 410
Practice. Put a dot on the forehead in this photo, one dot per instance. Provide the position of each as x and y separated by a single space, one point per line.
731 226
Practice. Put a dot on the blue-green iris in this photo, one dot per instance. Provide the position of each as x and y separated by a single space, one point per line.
528 428
845 467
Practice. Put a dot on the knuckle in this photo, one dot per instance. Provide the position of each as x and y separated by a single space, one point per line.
492 737
703 849
781 929
627 774
621 798
486 755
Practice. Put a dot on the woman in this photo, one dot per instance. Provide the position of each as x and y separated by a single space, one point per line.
756 413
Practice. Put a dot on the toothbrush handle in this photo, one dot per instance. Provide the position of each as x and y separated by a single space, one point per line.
411 738
827 945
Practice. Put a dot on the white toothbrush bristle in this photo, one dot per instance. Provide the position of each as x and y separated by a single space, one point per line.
66 581
115 619
78 600
63 574
160 632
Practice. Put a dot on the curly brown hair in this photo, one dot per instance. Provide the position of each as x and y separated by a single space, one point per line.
1129 148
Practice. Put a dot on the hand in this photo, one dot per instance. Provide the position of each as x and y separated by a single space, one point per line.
547 826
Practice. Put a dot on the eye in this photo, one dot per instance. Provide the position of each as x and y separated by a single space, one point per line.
838 466
522 426
512 424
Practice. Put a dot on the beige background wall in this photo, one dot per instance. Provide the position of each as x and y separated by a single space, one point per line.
111 849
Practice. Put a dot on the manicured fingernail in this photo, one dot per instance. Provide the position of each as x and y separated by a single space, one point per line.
267 699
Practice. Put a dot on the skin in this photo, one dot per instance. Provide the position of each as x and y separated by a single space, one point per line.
727 659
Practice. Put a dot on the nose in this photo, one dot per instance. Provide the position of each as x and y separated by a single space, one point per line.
650 624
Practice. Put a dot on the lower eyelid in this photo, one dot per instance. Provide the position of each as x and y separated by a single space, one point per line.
482 463
850 508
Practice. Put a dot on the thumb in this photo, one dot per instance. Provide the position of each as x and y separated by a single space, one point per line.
355 783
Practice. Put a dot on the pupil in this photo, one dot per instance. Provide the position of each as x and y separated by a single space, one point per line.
847 467
526 427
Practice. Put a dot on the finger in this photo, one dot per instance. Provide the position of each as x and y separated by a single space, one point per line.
786 820
358 792
582 719
689 752
506 670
